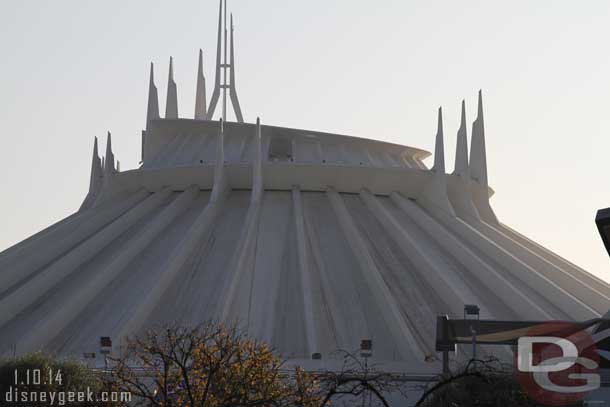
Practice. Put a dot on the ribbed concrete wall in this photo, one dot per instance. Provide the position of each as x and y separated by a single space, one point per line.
306 271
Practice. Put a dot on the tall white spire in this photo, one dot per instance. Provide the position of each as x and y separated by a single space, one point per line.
478 156
461 150
109 159
439 147
435 192
224 80
459 190
96 168
152 110
171 106
96 180
200 101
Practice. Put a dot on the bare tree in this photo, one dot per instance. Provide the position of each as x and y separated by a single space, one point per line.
487 382
358 379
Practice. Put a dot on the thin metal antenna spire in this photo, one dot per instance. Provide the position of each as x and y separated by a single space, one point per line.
216 92
225 80
225 65
232 88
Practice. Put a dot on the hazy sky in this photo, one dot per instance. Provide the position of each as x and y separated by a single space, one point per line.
72 70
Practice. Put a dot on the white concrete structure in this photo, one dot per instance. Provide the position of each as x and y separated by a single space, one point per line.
311 241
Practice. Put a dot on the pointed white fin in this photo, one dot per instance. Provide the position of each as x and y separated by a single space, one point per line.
108 173
95 180
478 168
461 150
439 146
478 156
434 195
458 186
200 98
152 110
171 106
109 159
96 168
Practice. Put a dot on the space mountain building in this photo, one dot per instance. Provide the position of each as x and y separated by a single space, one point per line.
310 241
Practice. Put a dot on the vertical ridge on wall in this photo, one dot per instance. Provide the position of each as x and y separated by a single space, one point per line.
568 307
558 261
196 234
568 282
511 296
57 244
381 294
343 302
17 300
62 315
305 271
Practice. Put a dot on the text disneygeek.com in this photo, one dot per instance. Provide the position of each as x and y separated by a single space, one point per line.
61 398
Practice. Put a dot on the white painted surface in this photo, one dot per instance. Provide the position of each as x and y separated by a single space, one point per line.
335 240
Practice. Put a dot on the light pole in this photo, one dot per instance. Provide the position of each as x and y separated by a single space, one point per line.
366 350
89 355
105 346
471 312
